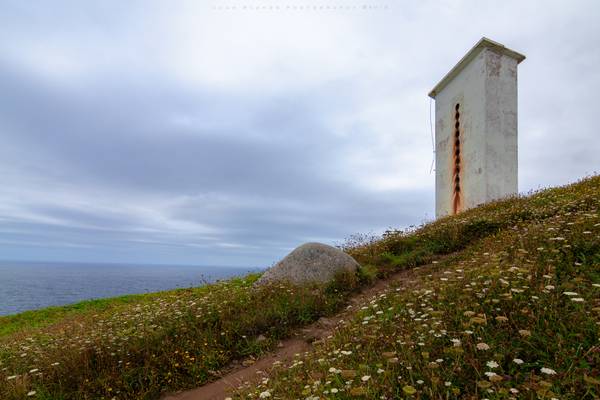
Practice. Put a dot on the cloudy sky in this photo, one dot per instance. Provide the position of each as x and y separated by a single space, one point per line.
211 132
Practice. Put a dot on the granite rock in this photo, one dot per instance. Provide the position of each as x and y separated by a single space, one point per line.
310 263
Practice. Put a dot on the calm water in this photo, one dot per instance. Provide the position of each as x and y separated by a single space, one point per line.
28 286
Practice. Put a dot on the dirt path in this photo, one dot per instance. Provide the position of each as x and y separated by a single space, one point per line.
253 370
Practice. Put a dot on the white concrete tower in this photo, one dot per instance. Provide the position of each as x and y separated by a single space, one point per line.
476 129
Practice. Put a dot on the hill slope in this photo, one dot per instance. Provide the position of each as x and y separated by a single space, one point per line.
504 303
514 314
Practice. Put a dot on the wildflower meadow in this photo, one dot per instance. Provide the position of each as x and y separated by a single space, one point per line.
501 302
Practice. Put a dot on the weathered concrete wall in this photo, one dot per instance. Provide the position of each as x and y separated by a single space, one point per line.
476 143
501 126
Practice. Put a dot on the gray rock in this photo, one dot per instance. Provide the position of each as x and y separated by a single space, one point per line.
310 263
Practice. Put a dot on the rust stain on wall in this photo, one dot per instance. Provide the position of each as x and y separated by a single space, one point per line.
457 163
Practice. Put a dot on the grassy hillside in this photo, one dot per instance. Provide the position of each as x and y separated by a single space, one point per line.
46 316
511 308
515 314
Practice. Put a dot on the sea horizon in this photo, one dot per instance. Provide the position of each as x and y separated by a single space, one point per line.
32 285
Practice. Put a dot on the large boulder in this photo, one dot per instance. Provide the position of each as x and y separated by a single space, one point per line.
310 263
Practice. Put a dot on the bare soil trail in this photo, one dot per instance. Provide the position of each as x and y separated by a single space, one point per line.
242 372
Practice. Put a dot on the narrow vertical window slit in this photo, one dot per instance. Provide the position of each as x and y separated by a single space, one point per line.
456 199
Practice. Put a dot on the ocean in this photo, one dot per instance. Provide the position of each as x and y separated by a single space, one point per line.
32 285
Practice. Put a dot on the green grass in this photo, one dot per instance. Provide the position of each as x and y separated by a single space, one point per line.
47 316
499 282
513 313
159 342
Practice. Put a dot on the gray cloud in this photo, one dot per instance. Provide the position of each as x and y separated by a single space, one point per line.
139 133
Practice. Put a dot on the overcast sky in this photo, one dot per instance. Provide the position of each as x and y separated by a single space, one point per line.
191 132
